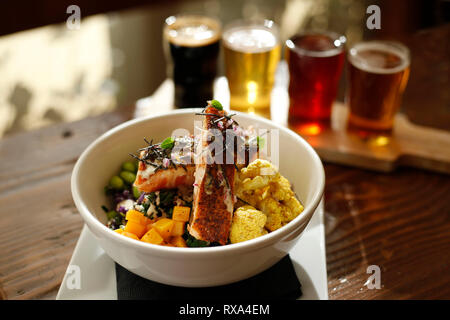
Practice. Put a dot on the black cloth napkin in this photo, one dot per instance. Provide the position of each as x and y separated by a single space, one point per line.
278 282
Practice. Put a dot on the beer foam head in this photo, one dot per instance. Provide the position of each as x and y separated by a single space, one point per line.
252 39
192 30
317 44
379 57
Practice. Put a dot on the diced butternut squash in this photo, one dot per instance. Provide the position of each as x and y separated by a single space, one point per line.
178 242
130 235
181 213
164 227
152 236
148 227
119 231
178 228
135 227
136 216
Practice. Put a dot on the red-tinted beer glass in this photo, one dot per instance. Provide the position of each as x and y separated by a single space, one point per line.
315 61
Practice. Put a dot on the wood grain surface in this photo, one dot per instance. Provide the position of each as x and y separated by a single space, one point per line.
37 215
397 221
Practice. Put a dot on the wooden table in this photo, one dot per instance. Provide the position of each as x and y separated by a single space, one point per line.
398 221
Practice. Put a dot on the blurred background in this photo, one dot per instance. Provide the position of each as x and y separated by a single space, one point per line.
51 73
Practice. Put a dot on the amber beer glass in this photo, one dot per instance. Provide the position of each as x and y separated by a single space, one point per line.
192 45
315 61
378 73
252 52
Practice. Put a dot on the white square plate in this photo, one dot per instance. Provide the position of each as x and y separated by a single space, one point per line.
97 275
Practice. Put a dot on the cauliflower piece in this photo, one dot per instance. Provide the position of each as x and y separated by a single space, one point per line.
248 223
262 186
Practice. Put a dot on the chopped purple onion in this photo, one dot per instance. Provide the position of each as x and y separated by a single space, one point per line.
122 209
166 162
141 198
118 198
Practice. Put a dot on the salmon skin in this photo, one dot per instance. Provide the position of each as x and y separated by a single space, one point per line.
214 185
165 168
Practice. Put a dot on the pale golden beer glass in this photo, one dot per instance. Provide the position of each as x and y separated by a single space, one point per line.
378 74
252 51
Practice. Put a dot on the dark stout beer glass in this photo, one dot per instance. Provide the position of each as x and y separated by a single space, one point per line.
192 44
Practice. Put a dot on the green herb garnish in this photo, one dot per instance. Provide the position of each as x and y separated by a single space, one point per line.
168 143
169 213
192 242
112 214
151 198
166 197
261 142
216 104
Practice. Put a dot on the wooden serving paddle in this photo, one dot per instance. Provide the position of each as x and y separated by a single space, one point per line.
410 145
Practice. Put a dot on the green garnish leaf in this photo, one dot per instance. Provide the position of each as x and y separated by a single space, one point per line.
261 142
168 143
169 213
192 242
166 197
112 214
216 104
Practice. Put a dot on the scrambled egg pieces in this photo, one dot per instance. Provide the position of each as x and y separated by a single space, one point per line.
262 186
248 223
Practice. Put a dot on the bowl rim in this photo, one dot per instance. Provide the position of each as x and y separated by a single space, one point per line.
175 252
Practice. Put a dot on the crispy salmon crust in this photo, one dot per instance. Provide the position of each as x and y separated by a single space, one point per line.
213 190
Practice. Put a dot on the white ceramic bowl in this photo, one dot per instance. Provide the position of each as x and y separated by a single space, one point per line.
191 267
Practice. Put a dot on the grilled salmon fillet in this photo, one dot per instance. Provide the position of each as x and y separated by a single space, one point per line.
147 180
213 187
161 168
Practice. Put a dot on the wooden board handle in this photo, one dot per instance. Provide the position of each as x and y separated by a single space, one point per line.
422 147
